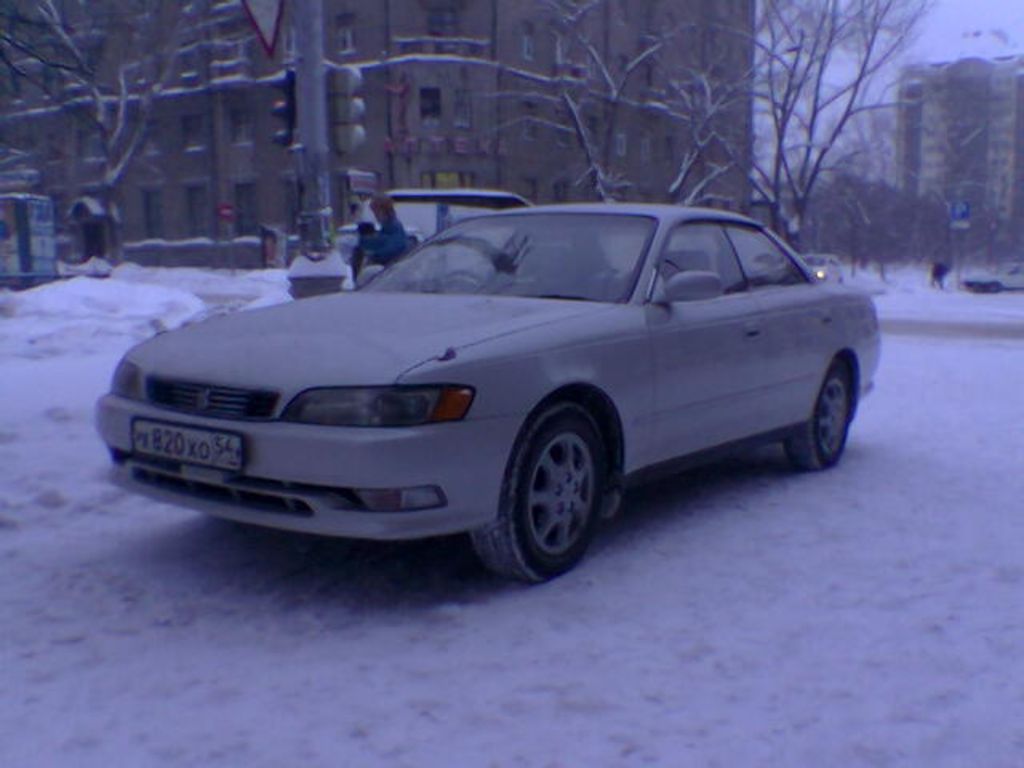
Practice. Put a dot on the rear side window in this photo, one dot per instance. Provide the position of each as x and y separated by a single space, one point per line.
701 247
763 262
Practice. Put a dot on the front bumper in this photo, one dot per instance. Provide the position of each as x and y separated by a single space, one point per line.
301 477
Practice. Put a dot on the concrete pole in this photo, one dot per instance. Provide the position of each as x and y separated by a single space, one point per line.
311 95
319 268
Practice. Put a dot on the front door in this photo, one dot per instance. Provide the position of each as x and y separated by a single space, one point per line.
707 353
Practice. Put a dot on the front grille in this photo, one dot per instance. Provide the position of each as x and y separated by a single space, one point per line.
209 400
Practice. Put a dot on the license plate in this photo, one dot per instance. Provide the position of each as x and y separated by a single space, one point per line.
204 447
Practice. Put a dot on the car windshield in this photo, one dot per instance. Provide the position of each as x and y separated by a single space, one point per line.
592 257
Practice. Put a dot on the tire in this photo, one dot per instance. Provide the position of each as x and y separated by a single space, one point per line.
551 498
821 440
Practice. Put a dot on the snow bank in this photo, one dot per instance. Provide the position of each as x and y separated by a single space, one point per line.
87 315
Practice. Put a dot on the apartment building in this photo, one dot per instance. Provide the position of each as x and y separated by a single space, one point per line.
458 93
961 140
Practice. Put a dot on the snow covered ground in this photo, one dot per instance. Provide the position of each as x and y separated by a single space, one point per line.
741 615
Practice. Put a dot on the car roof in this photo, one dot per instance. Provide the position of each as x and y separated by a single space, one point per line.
659 211
458 193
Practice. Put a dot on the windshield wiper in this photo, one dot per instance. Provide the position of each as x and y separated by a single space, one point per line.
562 297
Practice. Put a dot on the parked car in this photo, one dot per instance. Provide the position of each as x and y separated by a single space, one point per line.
1005 277
431 210
508 379
824 266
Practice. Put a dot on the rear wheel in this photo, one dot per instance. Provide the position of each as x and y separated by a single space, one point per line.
821 441
551 498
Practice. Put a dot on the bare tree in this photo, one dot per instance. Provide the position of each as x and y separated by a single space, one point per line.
708 96
820 65
591 92
65 49
598 98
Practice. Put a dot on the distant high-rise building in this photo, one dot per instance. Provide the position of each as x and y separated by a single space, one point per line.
961 140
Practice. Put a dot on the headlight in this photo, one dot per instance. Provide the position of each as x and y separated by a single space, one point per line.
127 380
379 406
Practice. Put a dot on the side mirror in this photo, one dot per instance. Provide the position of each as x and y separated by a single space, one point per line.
690 286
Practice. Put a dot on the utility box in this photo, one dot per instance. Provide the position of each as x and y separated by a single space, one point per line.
28 245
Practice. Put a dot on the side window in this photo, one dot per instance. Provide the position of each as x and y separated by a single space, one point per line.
763 262
701 247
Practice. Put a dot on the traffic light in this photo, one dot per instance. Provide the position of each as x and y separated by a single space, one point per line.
349 109
285 110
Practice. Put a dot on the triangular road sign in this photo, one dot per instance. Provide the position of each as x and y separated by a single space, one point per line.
266 17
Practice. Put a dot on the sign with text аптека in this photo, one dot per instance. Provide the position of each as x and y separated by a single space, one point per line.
266 18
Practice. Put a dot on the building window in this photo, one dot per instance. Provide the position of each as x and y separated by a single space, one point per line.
188 67
430 106
443 22
152 213
152 142
529 46
246 214
50 81
192 132
463 108
15 83
240 125
197 211
531 187
645 149
291 47
529 121
90 146
670 148
345 32
560 191
291 202
447 179
621 144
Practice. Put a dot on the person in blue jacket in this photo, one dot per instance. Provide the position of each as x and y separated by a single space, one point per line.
389 242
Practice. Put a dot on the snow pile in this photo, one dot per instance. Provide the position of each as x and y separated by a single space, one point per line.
88 315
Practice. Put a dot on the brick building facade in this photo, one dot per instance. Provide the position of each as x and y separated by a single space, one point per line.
457 93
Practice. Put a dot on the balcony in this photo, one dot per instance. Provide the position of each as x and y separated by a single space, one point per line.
470 47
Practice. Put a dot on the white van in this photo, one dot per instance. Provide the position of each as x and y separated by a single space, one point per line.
426 211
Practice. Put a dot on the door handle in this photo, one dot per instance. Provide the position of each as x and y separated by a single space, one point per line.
751 330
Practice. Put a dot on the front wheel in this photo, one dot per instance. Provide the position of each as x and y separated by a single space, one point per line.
820 442
551 498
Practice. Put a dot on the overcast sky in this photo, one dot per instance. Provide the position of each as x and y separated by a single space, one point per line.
959 28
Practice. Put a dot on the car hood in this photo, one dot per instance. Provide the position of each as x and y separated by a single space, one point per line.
341 340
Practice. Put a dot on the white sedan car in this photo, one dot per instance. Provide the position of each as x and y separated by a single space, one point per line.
1005 277
509 378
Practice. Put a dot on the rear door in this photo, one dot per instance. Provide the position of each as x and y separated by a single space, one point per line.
798 328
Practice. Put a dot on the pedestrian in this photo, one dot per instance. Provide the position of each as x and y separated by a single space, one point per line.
381 246
938 275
